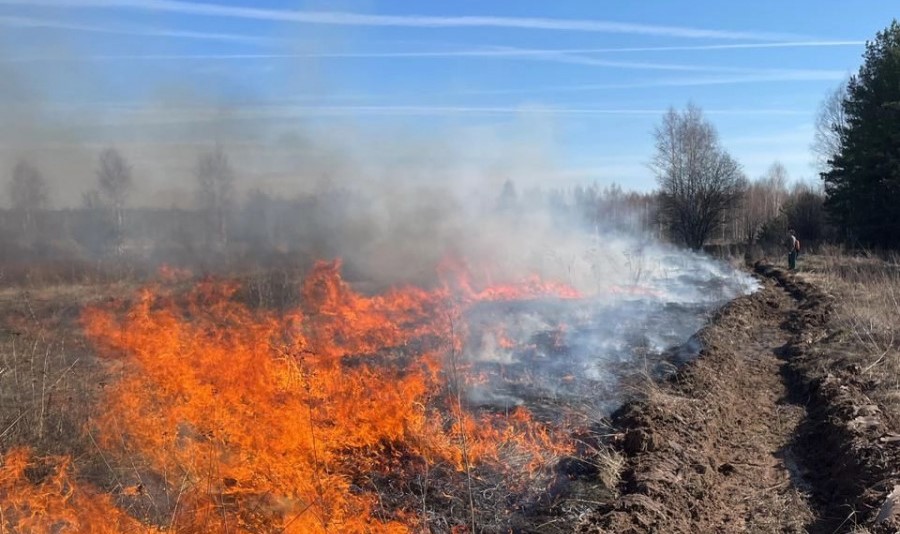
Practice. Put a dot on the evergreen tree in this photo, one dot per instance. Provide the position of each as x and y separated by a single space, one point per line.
862 182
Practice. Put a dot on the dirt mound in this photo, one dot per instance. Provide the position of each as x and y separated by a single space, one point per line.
852 449
752 435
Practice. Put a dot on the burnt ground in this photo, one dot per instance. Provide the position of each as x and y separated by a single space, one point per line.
755 435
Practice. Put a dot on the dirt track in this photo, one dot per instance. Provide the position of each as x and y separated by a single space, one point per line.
745 438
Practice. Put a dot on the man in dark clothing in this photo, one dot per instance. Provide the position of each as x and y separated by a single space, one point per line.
793 248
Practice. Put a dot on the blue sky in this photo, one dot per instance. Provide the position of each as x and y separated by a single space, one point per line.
590 78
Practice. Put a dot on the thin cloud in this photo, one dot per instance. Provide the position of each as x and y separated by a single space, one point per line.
29 22
516 54
485 51
577 59
547 55
732 46
784 75
409 21
562 54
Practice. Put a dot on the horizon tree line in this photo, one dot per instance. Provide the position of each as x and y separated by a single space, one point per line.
759 206
114 184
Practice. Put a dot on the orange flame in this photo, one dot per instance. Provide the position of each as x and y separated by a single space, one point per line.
279 421
54 502
458 278
168 273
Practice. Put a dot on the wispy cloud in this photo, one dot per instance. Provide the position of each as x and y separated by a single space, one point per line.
547 55
410 21
476 52
772 76
30 22
731 46
580 59
516 54
560 54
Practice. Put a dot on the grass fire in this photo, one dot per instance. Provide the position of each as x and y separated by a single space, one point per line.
480 268
346 412
331 417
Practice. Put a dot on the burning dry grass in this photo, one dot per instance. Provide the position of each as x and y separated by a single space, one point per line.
47 380
40 495
345 413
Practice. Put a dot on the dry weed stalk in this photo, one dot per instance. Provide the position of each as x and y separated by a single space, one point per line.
456 392
869 288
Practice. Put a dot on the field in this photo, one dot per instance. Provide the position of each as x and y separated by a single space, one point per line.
197 404
138 406
865 332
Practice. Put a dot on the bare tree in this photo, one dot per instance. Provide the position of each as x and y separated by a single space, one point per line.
699 181
115 184
762 201
28 193
831 123
215 195
774 186
751 212
90 200
805 212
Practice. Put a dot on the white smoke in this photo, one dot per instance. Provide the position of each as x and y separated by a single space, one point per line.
565 350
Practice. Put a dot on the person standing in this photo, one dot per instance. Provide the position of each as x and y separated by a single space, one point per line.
793 248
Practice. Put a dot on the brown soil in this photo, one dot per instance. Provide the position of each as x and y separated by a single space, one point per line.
753 436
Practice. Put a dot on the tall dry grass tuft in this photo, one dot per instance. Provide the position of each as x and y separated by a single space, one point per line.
866 315
44 394
869 308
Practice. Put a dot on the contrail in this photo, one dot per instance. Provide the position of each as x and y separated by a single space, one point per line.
732 46
409 21
786 75
482 51
549 55
530 55
30 22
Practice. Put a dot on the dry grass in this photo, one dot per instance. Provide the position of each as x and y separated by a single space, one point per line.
50 380
43 400
49 377
866 319
610 463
